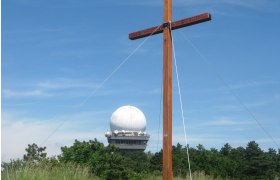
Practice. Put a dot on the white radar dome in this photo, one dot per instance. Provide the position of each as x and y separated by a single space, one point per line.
128 118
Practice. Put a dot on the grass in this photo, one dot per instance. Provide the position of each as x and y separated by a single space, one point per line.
69 172
195 176
48 172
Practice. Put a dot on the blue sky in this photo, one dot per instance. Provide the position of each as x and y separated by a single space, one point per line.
57 54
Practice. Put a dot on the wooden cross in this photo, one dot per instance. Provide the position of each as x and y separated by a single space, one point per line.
166 28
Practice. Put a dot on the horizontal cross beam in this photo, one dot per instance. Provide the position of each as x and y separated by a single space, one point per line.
174 25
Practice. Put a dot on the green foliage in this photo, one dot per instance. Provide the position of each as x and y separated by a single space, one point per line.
34 153
106 162
235 163
259 164
156 162
195 176
12 165
89 160
47 171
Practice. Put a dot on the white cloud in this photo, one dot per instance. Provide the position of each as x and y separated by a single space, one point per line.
66 83
227 122
49 88
253 84
18 131
70 87
24 93
16 136
228 88
243 106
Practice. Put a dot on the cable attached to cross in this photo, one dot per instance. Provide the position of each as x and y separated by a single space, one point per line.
181 103
101 84
230 89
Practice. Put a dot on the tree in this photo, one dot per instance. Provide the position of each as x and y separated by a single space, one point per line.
109 163
269 163
34 153
226 149
156 162
179 168
256 162
105 162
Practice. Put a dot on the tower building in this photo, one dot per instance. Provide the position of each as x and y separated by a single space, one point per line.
128 125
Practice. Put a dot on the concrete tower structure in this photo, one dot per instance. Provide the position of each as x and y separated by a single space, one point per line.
128 125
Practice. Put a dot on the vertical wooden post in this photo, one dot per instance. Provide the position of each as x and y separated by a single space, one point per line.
167 93
167 76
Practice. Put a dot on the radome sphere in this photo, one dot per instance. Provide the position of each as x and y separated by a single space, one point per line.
128 118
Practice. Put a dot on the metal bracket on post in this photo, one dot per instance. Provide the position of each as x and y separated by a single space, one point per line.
166 25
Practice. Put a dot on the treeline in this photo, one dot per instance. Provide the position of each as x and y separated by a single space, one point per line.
234 163
107 162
